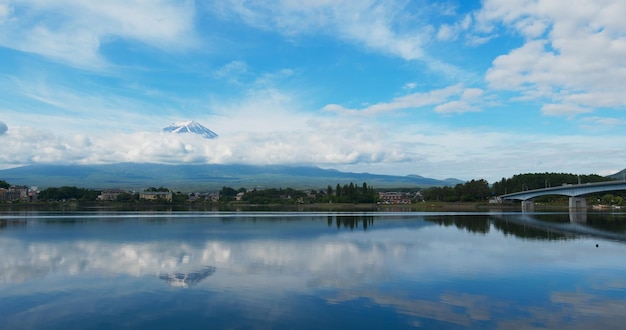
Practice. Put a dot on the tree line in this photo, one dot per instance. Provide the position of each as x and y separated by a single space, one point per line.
530 181
470 191
351 193
348 193
67 193
479 190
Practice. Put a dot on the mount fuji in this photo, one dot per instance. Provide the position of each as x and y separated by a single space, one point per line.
190 126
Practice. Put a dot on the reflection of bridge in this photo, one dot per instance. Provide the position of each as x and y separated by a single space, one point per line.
576 226
574 191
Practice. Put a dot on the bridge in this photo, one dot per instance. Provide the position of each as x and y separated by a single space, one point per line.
574 191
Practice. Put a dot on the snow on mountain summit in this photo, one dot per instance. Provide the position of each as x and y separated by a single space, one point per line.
190 126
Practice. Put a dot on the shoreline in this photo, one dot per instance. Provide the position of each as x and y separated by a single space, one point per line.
241 207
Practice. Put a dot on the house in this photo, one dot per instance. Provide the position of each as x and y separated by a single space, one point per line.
33 193
110 194
392 197
213 197
3 193
156 195
15 193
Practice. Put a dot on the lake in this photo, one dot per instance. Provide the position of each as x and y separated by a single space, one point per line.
272 270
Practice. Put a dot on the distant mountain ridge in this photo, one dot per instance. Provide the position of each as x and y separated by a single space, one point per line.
202 177
621 175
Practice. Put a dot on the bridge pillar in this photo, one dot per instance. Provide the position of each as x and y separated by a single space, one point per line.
577 203
578 216
528 206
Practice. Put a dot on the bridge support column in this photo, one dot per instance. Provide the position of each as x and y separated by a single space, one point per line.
578 216
577 203
528 206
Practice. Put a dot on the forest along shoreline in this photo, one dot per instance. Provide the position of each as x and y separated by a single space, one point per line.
71 206
473 195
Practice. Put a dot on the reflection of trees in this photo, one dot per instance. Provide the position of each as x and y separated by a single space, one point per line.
11 223
553 217
351 221
525 231
559 227
481 224
609 222
473 224
185 280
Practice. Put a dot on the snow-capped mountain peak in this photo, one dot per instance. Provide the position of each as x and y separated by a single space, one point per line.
190 126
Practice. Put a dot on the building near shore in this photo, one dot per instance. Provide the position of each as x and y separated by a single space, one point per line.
156 195
18 193
110 194
393 197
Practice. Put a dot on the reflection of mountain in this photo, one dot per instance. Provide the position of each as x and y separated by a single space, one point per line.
185 280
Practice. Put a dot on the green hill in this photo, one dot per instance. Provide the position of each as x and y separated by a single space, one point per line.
202 177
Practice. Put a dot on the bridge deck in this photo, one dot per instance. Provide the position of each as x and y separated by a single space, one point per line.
572 190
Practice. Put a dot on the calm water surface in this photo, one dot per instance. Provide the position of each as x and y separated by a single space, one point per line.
312 270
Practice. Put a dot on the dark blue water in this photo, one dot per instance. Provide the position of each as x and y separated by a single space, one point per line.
311 271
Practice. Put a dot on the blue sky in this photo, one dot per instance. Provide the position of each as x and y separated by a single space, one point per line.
465 89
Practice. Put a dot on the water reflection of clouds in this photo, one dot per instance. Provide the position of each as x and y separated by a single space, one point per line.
461 309
571 310
574 310
345 266
23 261
611 284
324 260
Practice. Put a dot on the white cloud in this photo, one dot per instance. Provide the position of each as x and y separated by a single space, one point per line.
419 148
452 99
263 125
439 152
563 109
455 107
266 125
410 85
411 101
448 32
40 101
604 121
374 24
232 71
470 94
468 101
5 12
573 53
321 142
74 31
